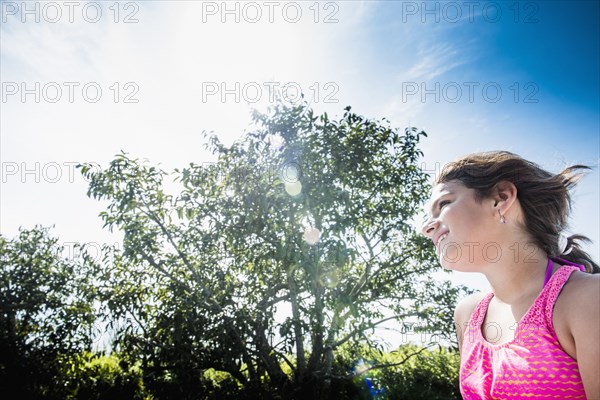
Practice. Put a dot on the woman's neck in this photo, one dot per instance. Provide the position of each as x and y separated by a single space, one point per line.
518 274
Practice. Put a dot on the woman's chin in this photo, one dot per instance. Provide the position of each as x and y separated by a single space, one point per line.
449 265
445 264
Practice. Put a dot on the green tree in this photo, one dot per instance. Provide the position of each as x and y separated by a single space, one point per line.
305 214
46 313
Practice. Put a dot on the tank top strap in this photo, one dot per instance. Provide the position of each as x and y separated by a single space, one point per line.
478 314
541 310
543 306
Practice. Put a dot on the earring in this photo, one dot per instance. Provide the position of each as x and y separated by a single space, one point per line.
502 219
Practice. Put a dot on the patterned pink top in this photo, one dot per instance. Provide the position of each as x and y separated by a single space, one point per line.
533 365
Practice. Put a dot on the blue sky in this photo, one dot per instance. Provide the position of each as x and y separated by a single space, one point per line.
371 54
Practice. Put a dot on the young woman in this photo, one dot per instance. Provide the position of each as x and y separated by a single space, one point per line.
537 334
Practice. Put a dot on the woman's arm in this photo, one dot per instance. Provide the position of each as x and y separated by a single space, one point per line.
584 324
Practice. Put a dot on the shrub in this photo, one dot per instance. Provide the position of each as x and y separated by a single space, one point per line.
92 376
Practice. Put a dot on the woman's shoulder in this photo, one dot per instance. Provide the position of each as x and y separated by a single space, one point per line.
580 289
465 307
577 309
582 317
462 314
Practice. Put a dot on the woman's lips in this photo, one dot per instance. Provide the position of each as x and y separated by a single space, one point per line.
440 238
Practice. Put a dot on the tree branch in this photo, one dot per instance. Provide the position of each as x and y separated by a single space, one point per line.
387 365
371 326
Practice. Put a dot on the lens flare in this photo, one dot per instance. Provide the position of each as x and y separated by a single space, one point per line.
311 235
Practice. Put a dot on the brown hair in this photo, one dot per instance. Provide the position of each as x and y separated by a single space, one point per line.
544 197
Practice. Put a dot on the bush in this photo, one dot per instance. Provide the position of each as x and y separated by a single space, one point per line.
410 372
98 377
413 372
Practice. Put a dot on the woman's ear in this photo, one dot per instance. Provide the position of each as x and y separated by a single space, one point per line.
505 194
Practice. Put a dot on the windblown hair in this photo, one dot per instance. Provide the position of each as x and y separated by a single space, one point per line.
544 197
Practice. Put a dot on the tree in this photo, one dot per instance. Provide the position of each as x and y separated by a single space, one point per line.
46 313
304 213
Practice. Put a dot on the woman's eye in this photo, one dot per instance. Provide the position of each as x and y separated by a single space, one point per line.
442 203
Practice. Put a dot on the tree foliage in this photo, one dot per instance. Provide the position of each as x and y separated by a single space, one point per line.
46 313
264 276
304 215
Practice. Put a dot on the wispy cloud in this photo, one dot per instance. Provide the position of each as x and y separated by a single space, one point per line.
435 60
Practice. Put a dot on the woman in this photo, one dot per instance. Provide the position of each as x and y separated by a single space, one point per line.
537 334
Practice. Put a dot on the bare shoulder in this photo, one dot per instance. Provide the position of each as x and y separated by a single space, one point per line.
465 307
463 312
577 310
579 320
580 290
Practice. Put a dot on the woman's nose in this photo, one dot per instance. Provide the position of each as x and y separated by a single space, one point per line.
429 228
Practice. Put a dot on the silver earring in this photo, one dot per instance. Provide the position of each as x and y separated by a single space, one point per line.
502 219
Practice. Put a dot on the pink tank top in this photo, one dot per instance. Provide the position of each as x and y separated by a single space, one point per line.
533 365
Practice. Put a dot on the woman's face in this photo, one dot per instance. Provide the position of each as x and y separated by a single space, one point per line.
462 229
